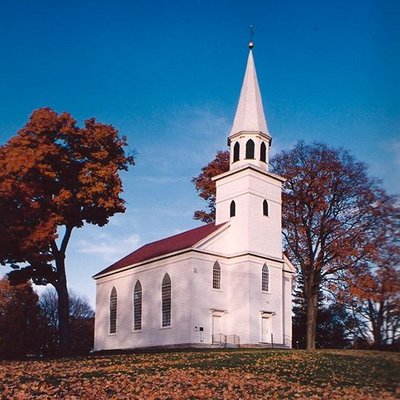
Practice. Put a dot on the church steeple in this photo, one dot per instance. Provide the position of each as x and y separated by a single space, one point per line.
249 137
248 196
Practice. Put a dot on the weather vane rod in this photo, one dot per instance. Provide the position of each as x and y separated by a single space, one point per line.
251 43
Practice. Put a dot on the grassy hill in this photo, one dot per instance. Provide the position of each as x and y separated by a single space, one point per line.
229 374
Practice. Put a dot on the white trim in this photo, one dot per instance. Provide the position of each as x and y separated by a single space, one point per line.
249 166
217 311
259 135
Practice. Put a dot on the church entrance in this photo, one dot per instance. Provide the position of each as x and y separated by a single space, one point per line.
216 324
217 335
266 331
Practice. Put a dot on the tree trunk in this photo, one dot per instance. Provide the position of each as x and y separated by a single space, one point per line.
375 322
311 290
312 309
63 306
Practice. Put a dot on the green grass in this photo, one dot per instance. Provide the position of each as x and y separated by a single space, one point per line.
230 374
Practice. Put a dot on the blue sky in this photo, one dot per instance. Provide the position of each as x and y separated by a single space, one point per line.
167 74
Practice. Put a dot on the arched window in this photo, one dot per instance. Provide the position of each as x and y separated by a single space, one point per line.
113 311
265 278
250 149
263 152
265 208
236 152
166 300
216 276
137 306
232 212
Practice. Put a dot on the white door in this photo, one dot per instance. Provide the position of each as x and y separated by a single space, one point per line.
217 324
266 329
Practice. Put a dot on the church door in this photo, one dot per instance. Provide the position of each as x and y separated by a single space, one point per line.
217 329
266 329
217 324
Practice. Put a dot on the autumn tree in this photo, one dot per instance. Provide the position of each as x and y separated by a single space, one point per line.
206 187
333 215
55 177
374 298
19 320
372 293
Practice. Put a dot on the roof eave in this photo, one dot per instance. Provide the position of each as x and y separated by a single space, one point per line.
249 166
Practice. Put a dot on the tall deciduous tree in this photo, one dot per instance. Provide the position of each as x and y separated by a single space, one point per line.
54 177
334 215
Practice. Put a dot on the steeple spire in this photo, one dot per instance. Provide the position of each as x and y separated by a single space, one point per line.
249 138
249 115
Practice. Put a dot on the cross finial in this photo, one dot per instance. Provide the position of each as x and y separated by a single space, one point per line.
251 43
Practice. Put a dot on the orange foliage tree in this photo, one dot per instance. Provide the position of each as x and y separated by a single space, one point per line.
54 177
372 293
206 187
333 214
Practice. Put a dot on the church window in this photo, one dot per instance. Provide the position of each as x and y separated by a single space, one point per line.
137 306
216 276
166 300
113 311
263 152
250 149
232 212
265 278
236 152
265 208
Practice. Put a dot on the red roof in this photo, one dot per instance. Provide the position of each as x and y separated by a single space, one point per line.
161 247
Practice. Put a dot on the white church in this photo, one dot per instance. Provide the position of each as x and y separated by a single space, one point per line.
223 284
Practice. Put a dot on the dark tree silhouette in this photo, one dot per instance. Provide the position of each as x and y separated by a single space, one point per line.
81 317
19 320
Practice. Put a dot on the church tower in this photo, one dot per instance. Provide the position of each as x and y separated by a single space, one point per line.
249 196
